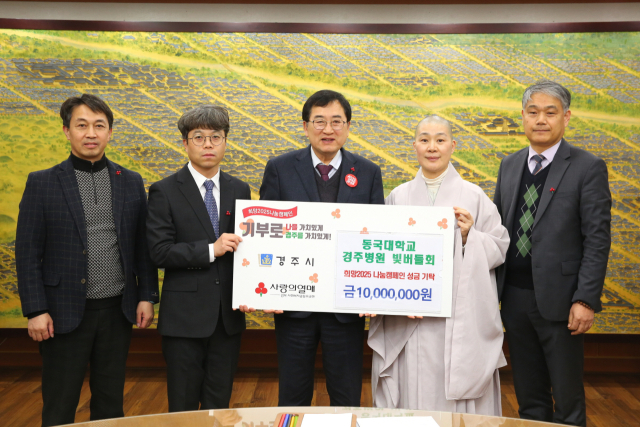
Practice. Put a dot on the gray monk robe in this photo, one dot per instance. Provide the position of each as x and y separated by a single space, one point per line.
448 364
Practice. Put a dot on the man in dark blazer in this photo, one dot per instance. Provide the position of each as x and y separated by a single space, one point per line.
554 199
83 266
322 172
190 231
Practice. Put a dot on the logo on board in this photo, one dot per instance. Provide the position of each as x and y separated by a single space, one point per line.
266 260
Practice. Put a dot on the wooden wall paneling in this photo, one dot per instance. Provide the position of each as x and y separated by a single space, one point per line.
612 353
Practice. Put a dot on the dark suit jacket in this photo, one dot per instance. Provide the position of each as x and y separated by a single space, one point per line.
290 177
179 232
571 234
51 244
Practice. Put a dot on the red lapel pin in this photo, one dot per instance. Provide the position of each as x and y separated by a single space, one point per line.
353 169
351 180
228 213
118 172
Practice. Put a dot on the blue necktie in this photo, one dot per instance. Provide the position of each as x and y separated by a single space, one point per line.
538 159
212 208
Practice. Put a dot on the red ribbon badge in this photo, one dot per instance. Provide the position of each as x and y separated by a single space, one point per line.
351 180
274 213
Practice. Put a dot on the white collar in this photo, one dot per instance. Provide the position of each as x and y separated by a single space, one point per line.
548 154
335 162
200 179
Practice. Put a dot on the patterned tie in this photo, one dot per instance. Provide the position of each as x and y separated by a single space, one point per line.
324 171
212 208
538 158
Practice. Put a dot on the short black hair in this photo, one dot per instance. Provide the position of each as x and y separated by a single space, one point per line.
204 117
94 103
323 98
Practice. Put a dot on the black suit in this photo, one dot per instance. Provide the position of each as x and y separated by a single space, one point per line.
201 333
291 177
570 241
52 267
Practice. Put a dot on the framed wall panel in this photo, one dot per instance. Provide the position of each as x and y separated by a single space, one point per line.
472 74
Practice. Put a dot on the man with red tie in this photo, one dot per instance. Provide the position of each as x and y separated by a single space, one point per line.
322 172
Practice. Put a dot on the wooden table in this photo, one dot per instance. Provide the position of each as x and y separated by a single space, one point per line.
264 417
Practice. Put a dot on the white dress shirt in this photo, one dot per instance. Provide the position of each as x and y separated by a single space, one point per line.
335 162
200 179
548 154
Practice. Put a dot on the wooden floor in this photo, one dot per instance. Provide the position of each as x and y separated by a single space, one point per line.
612 400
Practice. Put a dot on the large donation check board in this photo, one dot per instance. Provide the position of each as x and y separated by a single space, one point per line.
346 258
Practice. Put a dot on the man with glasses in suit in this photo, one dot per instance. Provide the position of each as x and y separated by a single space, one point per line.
190 232
322 172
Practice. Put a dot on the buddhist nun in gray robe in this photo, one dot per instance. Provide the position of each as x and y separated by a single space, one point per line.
447 364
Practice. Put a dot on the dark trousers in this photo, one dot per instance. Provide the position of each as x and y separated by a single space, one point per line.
200 371
547 361
101 341
342 346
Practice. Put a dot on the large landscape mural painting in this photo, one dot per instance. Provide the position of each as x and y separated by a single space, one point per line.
474 80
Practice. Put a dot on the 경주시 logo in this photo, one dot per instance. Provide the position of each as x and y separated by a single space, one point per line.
266 260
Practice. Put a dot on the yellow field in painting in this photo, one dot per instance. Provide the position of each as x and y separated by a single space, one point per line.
475 81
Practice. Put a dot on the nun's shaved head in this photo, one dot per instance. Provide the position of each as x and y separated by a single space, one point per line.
435 119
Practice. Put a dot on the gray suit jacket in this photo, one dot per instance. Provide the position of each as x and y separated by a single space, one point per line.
571 235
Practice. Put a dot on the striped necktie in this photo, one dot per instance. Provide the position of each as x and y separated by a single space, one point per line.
538 158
